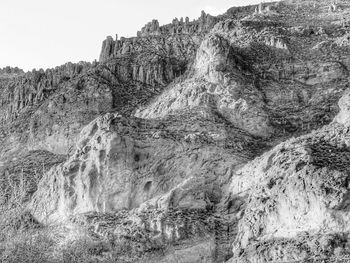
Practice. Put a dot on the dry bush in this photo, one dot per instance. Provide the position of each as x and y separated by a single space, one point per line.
22 239
41 245
84 251
27 246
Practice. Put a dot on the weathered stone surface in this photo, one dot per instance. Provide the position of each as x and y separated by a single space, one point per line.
108 46
151 167
200 26
298 192
158 53
343 116
157 235
217 83
33 87
10 72
121 164
172 176
154 61
48 112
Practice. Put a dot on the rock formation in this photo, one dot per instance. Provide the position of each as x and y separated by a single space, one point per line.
155 60
217 83
223 139
10 70
299 191
343 116
179 27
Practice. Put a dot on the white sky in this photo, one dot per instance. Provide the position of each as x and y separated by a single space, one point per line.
48 33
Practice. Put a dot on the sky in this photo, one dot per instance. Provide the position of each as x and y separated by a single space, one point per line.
47 33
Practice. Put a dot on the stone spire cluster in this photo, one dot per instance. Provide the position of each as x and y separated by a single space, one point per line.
261 8
333 7
111 47
122 46
179 26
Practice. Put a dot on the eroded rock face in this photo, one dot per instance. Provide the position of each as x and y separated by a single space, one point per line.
40 125
155 60
298 193
148 235
121 164
53 120
344 115
158 54
200 26
31 88
218 83
214 55
179 182
164 176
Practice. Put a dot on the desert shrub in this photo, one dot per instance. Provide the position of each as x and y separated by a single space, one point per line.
27 246
19 178
124 248
85 251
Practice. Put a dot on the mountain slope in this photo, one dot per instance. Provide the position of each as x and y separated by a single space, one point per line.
216 140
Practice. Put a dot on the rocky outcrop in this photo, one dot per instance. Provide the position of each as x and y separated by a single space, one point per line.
154 61
107 50
9 73
33 106
262 8
157 181
39 108
343 116
218 82
333 7
161 45
11 70
166 49
121 164
33 87
158 235
298 193
180 26
214 140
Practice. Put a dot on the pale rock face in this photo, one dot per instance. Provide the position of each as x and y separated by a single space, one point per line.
154 61
189 95
107 48
212 55
32 88
180 177
298 187
195 27
121 164
155 180
344 104
276 43
216 84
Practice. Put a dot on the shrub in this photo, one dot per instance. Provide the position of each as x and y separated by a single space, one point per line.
84 251
27 246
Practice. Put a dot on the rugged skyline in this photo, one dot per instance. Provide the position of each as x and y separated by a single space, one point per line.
44 34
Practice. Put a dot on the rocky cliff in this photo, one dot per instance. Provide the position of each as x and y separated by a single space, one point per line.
222 139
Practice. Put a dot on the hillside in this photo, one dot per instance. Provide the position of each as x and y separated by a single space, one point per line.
223 139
